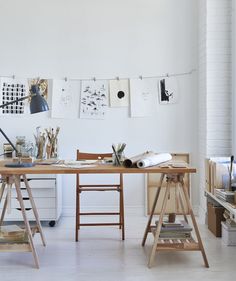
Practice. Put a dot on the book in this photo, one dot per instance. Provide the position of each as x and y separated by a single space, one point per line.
184 228
172 224
12 233
227 196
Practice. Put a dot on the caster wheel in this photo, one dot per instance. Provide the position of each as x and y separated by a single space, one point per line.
52 223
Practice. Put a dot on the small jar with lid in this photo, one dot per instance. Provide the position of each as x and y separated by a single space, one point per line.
20 145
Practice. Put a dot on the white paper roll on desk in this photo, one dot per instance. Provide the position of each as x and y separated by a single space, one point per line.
154 160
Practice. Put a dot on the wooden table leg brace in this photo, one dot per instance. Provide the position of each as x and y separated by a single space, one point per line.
187 244
16 179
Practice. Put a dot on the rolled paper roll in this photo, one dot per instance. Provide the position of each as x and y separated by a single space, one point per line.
130 162
154 160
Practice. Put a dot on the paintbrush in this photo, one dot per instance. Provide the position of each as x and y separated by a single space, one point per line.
230 172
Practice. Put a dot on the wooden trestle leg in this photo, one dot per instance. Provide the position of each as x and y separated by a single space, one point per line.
26 222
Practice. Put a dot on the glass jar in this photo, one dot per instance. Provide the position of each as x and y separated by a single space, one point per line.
121 158
20 146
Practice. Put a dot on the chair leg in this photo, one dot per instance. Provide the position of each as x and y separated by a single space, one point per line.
120 209
122 212
77 215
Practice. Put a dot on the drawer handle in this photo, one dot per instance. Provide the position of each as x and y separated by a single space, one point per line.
25 198
26 209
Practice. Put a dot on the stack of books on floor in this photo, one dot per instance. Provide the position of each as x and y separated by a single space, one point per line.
176 230
12 234
227 196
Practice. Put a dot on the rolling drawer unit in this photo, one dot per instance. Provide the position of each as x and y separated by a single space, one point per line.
47 193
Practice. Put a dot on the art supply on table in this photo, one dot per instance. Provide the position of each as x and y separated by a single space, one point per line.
7 150
52 143
132 162
116 160
40 140
118 153
230 172
147 159
154 160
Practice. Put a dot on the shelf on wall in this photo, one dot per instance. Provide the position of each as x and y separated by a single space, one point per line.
226 205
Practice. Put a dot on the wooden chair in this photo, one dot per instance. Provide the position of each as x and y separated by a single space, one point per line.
98 187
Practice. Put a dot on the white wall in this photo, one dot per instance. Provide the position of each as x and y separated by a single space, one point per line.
233 75
86 38
215 83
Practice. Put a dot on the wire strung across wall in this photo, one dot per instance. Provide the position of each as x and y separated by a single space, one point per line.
110 78
96 94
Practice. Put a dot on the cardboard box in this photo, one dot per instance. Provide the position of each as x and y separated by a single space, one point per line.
228 234
215 217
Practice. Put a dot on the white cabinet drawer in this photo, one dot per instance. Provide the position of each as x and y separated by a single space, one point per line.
41 176
44 214
45 192
40 183
48 203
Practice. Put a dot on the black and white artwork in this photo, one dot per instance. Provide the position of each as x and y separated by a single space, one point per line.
143 99
168 90
93 99
119 92
13 89
65 99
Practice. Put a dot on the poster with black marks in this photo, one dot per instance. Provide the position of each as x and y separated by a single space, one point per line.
168 90
12 89
93 99
119 92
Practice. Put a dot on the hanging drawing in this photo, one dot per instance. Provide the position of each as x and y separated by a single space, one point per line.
65 98
13 89
119 92
43 86
168 90
93 99
143 97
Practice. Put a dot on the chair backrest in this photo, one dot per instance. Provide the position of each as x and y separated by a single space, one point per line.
91 156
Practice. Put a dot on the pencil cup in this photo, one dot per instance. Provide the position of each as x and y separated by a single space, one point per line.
119 161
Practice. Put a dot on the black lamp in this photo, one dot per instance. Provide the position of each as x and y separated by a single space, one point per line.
37 104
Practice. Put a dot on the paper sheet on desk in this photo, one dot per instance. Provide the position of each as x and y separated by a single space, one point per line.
79 162
78 166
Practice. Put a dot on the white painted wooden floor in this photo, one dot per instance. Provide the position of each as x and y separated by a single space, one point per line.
102 256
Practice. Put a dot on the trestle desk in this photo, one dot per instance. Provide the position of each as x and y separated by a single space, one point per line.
175 176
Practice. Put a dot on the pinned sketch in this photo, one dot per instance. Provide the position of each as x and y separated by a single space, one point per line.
93 99
13 89
119 92
65 99
168 90
43 86
143 97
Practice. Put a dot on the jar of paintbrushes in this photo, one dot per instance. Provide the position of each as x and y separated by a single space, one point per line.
52 143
